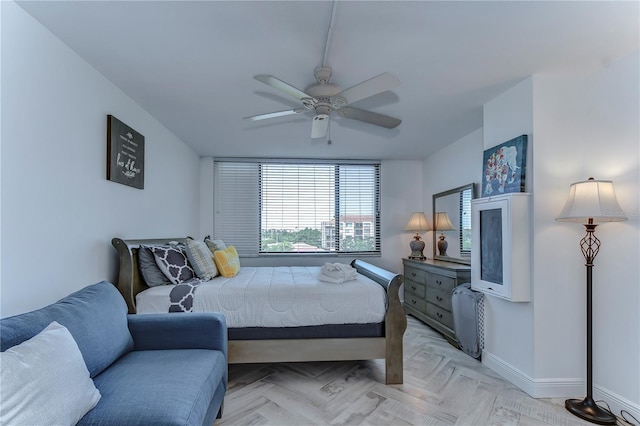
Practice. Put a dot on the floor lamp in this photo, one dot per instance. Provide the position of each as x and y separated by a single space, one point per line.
590 202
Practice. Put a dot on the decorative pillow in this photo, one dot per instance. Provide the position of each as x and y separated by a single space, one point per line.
173 262
227 261
215 245
201 259
45 381
149 269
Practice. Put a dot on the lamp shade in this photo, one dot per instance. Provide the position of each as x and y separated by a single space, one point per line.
591 199
417 223
443 223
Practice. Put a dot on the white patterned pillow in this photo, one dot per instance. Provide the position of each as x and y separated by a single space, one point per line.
201 259
173 262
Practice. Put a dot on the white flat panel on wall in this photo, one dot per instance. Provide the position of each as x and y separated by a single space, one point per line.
501 252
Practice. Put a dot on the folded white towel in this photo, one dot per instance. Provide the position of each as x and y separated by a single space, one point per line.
328 279
337 273
338 270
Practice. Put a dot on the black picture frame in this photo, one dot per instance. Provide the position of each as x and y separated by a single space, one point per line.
125 154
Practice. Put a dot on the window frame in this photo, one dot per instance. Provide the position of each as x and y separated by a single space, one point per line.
336 249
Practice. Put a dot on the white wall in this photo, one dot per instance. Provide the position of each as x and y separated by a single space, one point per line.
509 326
578 126
206 197
583 125
589 126
59 213
402 194
457 164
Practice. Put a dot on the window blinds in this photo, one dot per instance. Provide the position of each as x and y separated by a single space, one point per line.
297 206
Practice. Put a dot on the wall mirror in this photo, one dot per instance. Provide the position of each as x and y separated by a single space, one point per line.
452 224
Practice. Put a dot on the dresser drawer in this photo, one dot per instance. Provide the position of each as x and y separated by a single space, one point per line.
440 282
415 288
414 274
440 298
415 302
442 316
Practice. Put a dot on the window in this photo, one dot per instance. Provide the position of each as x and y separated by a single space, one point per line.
317 207
465 221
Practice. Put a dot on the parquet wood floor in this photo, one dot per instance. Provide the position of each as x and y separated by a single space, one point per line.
442 386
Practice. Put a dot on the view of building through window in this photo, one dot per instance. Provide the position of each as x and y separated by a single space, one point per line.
298 205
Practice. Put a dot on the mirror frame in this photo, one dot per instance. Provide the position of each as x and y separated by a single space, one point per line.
463 260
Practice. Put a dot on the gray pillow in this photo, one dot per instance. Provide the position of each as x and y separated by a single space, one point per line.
201 259
149 269
215 245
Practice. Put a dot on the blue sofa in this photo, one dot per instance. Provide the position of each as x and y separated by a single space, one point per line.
157 369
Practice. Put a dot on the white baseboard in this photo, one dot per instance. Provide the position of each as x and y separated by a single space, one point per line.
616 402
558 387
537 388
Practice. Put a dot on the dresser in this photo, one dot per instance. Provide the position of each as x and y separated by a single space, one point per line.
427 292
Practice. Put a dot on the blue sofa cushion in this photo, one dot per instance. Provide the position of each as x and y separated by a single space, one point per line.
96 317
158 387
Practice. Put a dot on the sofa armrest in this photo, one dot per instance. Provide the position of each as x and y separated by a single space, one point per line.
179 331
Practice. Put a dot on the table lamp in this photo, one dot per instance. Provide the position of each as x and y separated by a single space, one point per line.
443 223
417 223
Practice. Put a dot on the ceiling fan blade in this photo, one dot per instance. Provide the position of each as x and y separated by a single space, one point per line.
370 87
319 126
276 83
369 117
275 114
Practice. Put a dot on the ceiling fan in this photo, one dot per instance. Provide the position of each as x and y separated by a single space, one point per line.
324 97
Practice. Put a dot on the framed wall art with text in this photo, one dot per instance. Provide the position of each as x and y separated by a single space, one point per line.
125 154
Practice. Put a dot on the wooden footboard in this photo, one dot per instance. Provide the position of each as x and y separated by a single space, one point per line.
389 347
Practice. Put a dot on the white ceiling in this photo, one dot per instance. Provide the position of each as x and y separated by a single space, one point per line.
190 64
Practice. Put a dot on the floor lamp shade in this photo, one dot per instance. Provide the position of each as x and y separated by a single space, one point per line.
591 202
417 223
443 223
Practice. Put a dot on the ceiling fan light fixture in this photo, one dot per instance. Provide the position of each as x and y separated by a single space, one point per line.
319 126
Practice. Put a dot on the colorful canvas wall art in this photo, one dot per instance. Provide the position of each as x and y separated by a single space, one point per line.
504 167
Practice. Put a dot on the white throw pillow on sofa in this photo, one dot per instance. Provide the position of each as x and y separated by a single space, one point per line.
45 381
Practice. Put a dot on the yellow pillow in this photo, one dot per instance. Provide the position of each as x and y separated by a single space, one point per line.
227 261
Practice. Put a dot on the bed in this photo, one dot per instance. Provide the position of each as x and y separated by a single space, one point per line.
328 342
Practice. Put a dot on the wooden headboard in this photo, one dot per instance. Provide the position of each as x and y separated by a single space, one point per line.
130 281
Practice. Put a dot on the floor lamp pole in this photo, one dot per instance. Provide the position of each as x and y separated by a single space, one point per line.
587 408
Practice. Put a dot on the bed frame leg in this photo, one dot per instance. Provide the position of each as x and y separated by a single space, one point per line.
394 364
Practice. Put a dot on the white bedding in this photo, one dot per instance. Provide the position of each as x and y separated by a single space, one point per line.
279 297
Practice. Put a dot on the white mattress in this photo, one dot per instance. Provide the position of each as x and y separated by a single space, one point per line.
279 297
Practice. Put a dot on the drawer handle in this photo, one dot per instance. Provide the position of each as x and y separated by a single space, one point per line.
413 287
413 274
413 301
439 315
439 299
438 282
